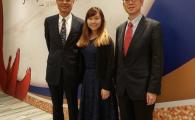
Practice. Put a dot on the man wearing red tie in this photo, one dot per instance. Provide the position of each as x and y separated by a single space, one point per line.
138 63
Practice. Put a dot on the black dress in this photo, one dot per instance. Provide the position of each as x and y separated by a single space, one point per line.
92 107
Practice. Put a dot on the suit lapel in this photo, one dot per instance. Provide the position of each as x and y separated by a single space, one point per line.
56 20
56 29
73 27
137 35
121 37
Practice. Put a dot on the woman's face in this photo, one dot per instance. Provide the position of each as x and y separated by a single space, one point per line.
94 22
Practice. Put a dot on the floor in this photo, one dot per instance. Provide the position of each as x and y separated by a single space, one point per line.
14 109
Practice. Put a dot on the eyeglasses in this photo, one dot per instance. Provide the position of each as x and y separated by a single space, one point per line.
64 1
127 1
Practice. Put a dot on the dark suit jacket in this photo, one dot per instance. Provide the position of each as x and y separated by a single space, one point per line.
62 56
140 70
104 65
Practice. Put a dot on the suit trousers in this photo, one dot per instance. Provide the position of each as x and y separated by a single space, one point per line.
134 109
57 95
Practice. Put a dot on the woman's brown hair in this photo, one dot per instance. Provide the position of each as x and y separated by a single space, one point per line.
103 36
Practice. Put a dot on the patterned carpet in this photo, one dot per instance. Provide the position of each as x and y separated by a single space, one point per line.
37 108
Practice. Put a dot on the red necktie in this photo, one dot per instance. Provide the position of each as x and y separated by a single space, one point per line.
127 38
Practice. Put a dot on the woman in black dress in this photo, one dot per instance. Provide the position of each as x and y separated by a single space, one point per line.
98 100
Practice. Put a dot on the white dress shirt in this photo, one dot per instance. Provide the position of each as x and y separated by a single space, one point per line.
68 24
135 23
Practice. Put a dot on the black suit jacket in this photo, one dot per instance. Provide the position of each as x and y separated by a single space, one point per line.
140 70
62 56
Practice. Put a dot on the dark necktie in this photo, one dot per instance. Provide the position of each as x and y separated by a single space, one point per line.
63 31
128 38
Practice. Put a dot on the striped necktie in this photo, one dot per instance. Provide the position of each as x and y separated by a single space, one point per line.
63 31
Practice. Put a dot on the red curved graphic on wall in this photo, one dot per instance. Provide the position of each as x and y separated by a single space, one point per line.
8 78
2 67
12 75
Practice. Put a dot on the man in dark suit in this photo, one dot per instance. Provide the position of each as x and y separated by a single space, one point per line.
138 63
61 33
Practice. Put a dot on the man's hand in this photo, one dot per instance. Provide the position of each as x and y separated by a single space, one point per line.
105 94
151 98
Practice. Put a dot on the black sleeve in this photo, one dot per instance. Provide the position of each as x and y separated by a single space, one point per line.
107 83
47 34
115 58
157 60
81 66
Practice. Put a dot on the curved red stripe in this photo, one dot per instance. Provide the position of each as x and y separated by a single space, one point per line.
12 75
2 67
22 86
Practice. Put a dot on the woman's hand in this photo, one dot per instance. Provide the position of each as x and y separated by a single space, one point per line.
105 94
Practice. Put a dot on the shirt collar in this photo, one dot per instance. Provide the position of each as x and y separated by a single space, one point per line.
66 18
136 20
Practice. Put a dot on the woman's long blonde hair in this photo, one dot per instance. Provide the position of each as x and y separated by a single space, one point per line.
102 33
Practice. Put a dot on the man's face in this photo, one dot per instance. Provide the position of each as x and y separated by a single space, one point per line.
65 6
132 7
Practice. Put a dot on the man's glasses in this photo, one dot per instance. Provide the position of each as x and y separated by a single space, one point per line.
127 1
64 1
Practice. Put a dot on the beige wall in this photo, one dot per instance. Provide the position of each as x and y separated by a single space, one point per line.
24 29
